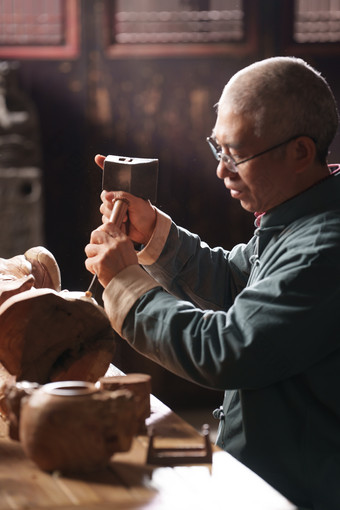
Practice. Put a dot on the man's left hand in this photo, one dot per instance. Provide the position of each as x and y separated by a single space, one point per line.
109 252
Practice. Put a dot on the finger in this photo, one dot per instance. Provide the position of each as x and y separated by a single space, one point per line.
91 250
99 236
107 196
110 195
106 205
90 265
105 211
110 229
99 160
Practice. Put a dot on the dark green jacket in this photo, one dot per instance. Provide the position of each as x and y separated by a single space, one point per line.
261 323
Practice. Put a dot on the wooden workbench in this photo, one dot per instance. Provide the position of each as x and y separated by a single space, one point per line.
130 483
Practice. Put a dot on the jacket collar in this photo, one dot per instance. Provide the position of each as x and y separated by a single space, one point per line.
323 196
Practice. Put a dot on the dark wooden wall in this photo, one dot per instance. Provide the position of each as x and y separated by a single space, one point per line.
151 107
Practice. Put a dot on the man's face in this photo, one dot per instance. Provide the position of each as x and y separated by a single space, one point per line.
261 183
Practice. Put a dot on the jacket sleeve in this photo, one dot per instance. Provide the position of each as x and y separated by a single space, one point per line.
271 332
279 326
188 269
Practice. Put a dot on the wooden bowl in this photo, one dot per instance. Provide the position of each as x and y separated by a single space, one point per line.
73 427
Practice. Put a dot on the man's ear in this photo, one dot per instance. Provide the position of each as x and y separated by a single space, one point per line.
303 153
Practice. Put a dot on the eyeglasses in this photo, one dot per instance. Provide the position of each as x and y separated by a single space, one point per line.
229 161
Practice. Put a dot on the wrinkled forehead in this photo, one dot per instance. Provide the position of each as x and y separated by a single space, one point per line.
243 100
232 128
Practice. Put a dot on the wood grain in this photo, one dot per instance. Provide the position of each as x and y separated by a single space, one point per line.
129 483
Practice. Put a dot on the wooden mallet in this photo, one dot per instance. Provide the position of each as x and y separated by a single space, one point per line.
137 176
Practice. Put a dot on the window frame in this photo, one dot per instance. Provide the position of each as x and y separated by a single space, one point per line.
132 51
292 47
69 50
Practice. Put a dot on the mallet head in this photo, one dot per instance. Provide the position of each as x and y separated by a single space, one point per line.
137 176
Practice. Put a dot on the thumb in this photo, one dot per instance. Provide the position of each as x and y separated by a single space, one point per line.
99 160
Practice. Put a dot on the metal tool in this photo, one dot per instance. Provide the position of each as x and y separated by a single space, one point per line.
137 176
177 455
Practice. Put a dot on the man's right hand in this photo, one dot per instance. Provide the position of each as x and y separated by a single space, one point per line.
140 220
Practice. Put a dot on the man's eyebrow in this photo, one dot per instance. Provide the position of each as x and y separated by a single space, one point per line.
229 145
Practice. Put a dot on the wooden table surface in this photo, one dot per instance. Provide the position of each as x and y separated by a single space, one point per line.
129 483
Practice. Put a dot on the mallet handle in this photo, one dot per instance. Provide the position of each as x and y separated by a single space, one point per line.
119 209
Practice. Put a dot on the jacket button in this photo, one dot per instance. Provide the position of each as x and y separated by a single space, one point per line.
218 414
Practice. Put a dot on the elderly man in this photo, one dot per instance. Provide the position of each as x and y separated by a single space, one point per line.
259 321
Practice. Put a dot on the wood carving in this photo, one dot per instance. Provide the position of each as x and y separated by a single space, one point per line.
140 386
72 426
47 334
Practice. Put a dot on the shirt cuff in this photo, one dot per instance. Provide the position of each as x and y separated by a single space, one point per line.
123 291
150 253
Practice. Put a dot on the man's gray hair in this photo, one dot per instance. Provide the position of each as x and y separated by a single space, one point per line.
285 96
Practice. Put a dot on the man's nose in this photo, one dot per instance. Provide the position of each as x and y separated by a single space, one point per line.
222 170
